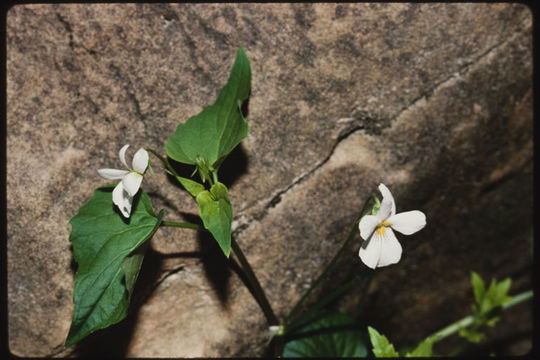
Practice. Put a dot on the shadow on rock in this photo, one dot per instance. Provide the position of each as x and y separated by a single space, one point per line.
234 166
216 266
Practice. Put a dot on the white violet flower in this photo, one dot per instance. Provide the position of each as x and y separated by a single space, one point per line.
126 189
380 246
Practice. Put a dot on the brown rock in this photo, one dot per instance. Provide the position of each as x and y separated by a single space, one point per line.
434 100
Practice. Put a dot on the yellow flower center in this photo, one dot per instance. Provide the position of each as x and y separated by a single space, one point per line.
381 228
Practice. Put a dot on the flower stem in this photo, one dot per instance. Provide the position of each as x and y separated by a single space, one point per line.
468 320
164 161
256 286
182 225
329 267
526 295
210 181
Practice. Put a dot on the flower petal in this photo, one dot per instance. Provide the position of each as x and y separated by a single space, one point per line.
370 251
388 206
408 222
367 225
122 155
122 199
390 248
140 160
112 174
132 183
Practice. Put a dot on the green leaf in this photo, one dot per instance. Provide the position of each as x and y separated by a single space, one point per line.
376 205
131 266
332 335
495 296
381 346
487 304
215 210
212 134
109 251
192 187
479 288
498 292
424 349
472 335
492 321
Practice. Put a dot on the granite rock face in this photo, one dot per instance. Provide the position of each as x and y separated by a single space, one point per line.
434 100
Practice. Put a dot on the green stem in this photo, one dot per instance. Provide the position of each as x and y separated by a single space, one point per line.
468 320
182 225
454 327
164 161
210 180
332 263
526 295
168 166
256 286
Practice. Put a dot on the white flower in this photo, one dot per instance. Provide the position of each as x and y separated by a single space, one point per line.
380 246
126 189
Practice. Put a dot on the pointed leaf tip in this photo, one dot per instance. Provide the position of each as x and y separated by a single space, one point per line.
218 129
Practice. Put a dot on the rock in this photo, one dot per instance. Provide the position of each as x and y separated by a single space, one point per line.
434 100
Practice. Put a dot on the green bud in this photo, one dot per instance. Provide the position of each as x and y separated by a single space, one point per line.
376 206
203 168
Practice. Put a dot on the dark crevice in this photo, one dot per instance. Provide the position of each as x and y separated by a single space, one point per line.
162 277
276 199
68 28
136 103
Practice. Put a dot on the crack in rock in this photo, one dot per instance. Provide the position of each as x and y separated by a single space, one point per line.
272 201
68 28
164 276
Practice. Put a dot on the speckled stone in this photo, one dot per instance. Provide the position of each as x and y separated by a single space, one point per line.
434 100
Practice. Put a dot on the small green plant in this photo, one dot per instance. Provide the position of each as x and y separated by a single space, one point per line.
486 312
109 241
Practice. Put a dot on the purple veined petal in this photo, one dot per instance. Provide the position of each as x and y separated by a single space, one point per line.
112 174
122 155
367 225
390 248
132 183
408 222
122 199
370 251
140 160
388 206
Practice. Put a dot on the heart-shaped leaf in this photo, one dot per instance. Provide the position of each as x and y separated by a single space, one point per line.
109 252
212 134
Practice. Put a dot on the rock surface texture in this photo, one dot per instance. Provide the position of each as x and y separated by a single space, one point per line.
434 100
